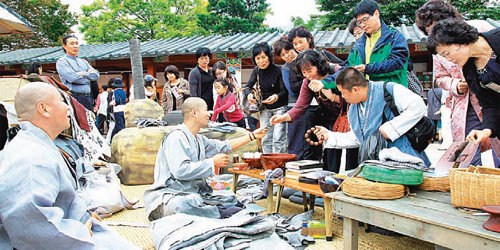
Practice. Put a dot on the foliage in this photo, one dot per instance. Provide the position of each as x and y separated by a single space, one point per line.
339 12
120 20
310 25
233 16
49 18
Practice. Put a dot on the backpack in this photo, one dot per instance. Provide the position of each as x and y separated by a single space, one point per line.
421 134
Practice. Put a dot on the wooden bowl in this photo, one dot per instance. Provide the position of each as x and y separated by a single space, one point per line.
253 162
329 187
277 160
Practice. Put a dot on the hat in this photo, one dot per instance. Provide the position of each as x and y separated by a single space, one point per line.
117 83
149 78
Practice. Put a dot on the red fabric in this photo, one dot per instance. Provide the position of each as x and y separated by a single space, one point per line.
223 105
80 114
305 98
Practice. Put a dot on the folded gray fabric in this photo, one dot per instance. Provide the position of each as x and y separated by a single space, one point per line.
289 228
297 199
194 232
394 157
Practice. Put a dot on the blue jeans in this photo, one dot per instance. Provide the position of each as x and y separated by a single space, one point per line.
119 123
84 100
275 139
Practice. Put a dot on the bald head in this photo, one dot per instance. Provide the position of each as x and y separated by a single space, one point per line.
192 103
28 97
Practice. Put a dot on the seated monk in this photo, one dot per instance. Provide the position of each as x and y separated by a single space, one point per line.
184 160
40 208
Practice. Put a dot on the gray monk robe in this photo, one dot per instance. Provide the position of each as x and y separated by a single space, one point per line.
182 164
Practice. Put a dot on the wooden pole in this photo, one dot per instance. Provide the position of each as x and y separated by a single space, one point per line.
136 63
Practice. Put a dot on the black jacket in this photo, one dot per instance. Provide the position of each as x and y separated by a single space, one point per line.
489 100
271 82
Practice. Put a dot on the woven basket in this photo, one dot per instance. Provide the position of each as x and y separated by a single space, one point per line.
435 184
365 189
475 187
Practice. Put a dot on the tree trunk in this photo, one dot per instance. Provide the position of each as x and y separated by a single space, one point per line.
136 63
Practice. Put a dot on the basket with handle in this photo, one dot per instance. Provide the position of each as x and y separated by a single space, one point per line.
475 187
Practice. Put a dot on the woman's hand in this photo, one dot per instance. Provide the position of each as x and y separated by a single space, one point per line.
250 99
260 132
478 136
272 99
321 133
276 119
330 95
462 87
316 85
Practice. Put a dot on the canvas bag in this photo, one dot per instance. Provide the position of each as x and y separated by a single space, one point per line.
254 110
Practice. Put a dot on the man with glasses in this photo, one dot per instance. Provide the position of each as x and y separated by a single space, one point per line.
200 78
381 54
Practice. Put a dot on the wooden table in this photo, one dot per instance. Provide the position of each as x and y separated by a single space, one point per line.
428 216
312 189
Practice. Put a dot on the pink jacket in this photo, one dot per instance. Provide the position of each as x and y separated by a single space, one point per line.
447 75
228 107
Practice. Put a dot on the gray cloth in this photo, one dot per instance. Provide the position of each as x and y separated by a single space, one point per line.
271 175
194 232
289 228
182 165
394 157
149 122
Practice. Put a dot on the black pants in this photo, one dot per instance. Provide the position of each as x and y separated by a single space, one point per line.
84 100
101 120
332 157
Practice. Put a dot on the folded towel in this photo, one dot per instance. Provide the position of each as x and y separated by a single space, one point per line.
394 157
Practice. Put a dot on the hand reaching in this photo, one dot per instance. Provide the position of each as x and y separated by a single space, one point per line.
260 132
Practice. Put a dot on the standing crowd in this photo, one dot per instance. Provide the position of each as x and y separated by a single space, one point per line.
370 97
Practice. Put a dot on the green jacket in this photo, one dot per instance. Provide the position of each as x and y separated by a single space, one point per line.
389 58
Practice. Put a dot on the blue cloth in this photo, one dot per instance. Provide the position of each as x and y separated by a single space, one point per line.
365 124
120 96
119 123
296 141
68 68
40 208
286 80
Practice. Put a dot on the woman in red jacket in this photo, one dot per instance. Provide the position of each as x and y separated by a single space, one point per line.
226 109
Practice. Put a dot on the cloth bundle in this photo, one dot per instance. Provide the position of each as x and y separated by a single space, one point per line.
194 232
289 228
271 175
395 158
225 127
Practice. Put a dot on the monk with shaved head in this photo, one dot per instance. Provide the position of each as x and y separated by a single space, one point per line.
40 208
185 159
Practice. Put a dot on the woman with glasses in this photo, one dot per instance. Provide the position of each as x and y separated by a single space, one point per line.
220 70
477 54
200 79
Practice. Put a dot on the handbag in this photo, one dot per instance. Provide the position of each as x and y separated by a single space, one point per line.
254 109
421 134
342 125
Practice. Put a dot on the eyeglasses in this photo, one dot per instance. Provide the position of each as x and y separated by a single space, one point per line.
362 20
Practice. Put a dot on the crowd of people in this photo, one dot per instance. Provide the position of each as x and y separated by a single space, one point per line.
314 89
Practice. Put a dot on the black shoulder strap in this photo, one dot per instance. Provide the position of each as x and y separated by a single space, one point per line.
389 103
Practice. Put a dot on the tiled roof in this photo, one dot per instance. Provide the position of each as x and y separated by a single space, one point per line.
241 42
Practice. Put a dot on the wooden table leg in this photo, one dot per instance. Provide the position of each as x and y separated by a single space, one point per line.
350 234
278 197
304 201
270 197
328 218
235 182
311 201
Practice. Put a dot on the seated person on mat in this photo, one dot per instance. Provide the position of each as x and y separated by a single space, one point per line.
40 208
185 159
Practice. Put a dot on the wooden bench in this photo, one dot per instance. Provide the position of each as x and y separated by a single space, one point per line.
312 189
428 216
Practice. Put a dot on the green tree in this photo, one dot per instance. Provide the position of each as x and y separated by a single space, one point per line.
120 20
50 19
339 12
233 16
310 25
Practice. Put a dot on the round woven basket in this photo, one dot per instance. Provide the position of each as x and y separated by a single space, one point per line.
361 188
435 184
